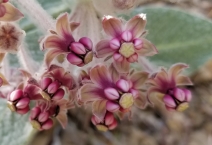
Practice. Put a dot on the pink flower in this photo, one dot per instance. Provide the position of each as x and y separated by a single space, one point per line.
62 42
111 92
166 85
126 43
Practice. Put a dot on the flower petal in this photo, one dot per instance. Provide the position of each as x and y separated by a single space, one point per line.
99 109
154 93
2 55
141 101
122 66
12 13
63 26
50 55
103 49
183 81
3 80
33 92
138 79
177 69
136 25
89 93
100 76
54 41
114 73
62 118
112 26
148 48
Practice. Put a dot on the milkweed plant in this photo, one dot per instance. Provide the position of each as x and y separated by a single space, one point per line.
89 61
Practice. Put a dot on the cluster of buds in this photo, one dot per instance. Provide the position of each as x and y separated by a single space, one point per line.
112 87
18 102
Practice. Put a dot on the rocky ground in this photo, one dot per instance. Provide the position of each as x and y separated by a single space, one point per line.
152 126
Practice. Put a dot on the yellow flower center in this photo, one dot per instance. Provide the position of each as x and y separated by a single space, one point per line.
45 96
182 107
127 49
11 106
35 124
126 100
102 128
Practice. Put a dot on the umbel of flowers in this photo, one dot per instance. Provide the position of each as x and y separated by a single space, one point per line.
106 80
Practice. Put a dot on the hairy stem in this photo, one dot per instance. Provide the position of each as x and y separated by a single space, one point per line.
147 65
36 13
26 60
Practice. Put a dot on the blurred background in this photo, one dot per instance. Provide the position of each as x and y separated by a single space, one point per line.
182 32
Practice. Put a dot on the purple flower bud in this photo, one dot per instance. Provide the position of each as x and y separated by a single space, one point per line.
123 85
111 93
47 125
35 112
118 57
86 42
169 101
45 82
133 58
22 103
15 95
59 94
53 87
113 125
23 111
78 48
127 36
135 93
73 59
188 95
138 43
115 43
179 94
112 107
43 116
109 118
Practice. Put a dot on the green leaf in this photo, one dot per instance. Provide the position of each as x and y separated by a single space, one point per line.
14 128
179 36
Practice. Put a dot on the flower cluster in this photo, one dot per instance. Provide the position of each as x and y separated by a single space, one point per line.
105 80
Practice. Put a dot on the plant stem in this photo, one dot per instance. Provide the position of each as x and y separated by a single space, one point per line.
26 60
146 65
36 13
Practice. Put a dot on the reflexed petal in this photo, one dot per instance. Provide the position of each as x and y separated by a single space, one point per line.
12 13
55 42
74 25
89 93
123 66
112 26
63 26
3 80
114 73
138 79
33 92
2 55
50 55
154 93
100 76
136 25
103 49
141 101
99 109
183 81
148 48
176 69
62 118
